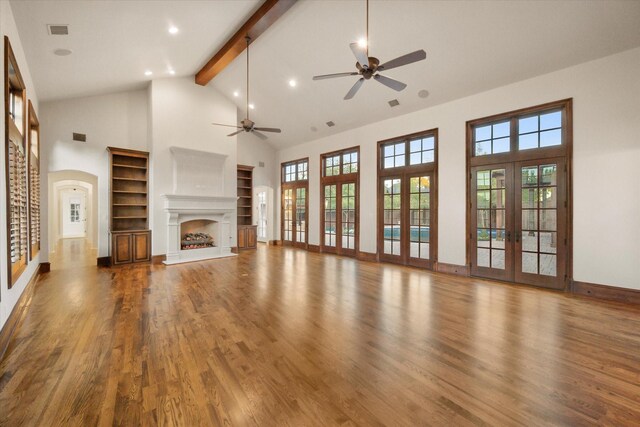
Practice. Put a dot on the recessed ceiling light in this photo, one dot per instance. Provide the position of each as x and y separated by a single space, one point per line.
173 30
314 129
252 106
236 94
147 73
172 72
362 42
62 52
293 83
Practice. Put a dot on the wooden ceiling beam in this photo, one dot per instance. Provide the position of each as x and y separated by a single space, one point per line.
257 24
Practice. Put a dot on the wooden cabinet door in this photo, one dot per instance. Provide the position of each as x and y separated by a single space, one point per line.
141 243
242 238
252 237
121 251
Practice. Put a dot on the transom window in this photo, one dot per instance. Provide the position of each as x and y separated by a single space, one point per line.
421 150
340 163
295 171
538 130
414 151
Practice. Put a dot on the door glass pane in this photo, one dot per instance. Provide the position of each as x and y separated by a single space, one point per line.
288 215
391 216
301 215
330 219
419 216
539 219
491 204
348 215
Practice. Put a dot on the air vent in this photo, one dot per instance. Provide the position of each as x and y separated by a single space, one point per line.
330 124
260 164
58 30
81 137
394 103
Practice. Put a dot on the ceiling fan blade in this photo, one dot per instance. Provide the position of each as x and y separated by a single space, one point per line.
229 126
409 58
333 76
354 89
393 84
275 130
360 54
235 133
259 134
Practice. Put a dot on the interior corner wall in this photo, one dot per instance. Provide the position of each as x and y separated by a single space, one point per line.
181 116
116 119
251 152
606 157
9 297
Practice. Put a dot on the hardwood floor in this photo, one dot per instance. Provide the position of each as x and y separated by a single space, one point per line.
280 336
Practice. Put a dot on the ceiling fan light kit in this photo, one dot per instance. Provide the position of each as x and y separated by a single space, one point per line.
247 125
369 67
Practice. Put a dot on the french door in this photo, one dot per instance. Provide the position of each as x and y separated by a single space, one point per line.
294 215
519 222
340 218
407 215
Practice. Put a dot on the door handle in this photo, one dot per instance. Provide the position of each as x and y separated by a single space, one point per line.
517 236
508 236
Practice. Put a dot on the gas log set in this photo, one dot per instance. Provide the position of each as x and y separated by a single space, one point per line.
197 241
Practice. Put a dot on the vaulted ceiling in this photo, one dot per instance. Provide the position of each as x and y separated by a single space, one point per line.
471 46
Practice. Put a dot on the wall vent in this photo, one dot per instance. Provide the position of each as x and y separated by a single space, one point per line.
58 29
330 124
260 164
394 103
81 137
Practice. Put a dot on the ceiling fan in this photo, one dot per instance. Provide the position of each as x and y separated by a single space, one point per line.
369 66
248 125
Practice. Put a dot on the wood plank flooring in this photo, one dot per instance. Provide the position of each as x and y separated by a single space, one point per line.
280 336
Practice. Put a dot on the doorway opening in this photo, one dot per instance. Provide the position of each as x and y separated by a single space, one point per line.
73 208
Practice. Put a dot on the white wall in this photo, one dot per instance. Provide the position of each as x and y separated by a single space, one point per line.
181 116
9 297
118 119
606 95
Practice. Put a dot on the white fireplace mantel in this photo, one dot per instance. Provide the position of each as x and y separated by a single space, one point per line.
181 208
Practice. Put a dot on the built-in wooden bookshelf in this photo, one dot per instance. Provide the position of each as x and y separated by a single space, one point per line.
15 102
247 232
129 206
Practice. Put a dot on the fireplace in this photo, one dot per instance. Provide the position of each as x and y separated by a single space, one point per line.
198 234
198 227
199 214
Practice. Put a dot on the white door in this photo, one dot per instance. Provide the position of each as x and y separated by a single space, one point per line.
74 218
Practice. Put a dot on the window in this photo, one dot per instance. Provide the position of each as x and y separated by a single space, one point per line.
532 131
295 171
339 191
407 194
34 182
74 212
493 138
540 130
421 150
394 155
342 163
17 156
